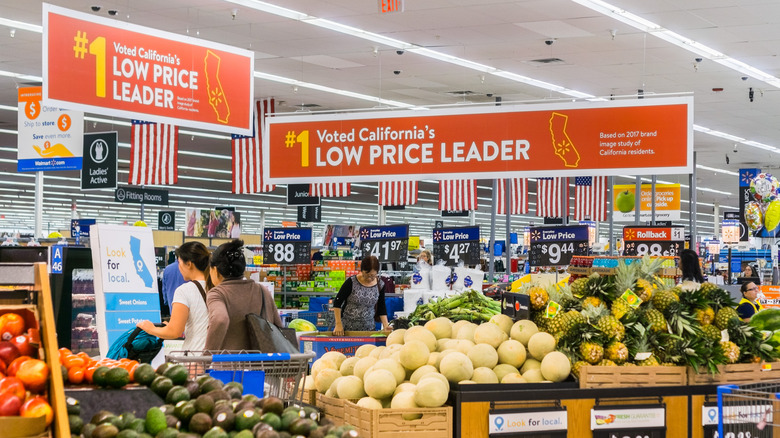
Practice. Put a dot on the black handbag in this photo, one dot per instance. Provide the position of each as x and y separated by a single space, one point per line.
267 337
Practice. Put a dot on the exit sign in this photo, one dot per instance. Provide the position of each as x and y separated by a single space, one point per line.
386 6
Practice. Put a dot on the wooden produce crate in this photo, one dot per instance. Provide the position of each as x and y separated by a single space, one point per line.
308 396
332 408
737 373
389 423
34 280
632 376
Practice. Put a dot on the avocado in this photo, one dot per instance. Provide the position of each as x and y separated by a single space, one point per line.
87 429
144 374
172 421
155 421
100 417
177 373
302 426
284 434
274 404
272 420
259 427
200 423
204 403
288 417
73 405
237 385
216 432
184 410
105 430
244 404
116 377
210 385
125 419
167 433
246 419
161 385
177 394
225 419
250 397
76 423
267 434
99 376
219 394
127 433
161 369
244 434
137 425
192 388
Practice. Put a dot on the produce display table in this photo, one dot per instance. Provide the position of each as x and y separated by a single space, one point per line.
472 403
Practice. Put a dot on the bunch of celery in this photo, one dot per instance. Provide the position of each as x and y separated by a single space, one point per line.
470 305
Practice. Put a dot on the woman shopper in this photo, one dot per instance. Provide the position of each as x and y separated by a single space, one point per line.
188 312
690 267
361 300
232 298
749 304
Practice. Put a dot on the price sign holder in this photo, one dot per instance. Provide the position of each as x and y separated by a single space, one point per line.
389 243
287 246
548 422
653 240
555 246
618 421
455 244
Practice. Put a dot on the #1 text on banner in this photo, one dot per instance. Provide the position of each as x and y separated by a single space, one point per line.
652 136
114 68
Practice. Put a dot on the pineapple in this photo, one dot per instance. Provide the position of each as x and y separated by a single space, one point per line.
645 289
663 299
655 320
579 287
724 315
541 320
730 350
592 301
573 320
591 352
538 297
707 288
577 367
705 316
611 327
621 308
625 276
651 361
711 333
643 347
617 352
607 363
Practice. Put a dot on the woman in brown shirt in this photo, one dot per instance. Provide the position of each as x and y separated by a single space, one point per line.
232 298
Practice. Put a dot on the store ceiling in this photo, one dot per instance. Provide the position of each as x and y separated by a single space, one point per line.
592 53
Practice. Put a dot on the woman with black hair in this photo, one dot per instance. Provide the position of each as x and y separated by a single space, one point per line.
232 298
689 264
189 314
361 301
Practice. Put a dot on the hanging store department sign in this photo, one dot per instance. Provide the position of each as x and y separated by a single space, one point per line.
49 138
132 195
667 202
99 169
651 136
166 220
116 68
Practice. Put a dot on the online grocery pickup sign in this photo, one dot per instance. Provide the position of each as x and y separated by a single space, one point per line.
110 67
649 136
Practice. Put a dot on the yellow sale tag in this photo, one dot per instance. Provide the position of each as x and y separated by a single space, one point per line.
552 309
633 299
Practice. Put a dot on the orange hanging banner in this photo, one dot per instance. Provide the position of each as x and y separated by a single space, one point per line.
109 67
650 136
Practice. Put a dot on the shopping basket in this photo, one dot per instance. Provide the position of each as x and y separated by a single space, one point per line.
262 374
748 410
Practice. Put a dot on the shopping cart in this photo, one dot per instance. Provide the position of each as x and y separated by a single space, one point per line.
747 411
262 374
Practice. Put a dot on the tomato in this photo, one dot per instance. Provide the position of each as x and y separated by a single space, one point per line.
84 356
37 407
89 371
11 326
34 373
22 343
13 385
14 366
74 361
76 375
9 404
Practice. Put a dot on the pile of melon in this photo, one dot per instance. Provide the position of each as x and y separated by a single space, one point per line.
418 364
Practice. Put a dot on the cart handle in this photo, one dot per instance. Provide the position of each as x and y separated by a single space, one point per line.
250 357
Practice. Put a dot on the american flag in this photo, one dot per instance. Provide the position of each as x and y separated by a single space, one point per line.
590 198
548 197
393 193
330 190
458 195
519 196
154 149
248 154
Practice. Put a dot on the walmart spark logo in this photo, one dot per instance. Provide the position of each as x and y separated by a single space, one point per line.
291 139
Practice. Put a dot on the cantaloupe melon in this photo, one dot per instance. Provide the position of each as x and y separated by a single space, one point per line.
414 354
420 333
555 367
540 344
511 352
483 355
491 334
430 393
379 383
523 330
440 327
456 366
